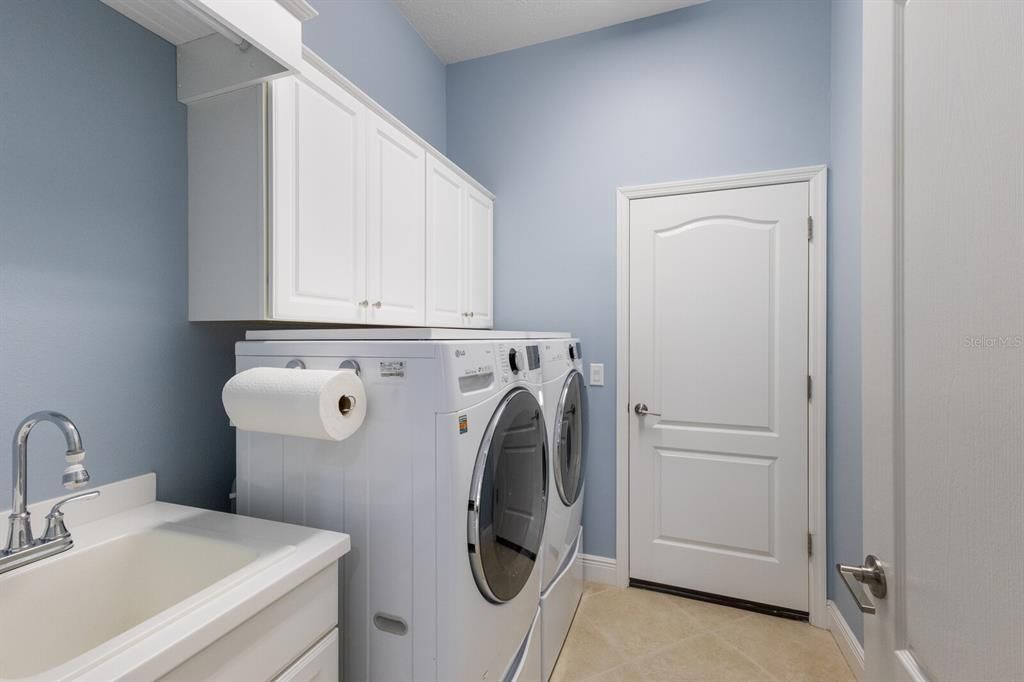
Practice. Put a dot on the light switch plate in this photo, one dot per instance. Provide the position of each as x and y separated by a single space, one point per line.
597 374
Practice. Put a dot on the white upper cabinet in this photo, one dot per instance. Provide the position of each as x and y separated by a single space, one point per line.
479 259
459 251
309 203
318 240
396 228
446 272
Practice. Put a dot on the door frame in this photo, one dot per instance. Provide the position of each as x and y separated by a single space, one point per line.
816 178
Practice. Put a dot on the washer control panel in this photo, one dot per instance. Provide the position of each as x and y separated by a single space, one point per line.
519 362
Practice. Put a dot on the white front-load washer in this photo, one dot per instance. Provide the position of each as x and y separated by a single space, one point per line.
564 395
443 491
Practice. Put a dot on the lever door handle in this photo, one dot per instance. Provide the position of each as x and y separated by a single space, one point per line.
871 575
642 411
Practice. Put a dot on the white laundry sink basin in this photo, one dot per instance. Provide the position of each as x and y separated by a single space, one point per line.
145 588
74 603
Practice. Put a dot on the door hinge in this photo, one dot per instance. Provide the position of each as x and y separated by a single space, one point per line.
810 545
810 386
810 228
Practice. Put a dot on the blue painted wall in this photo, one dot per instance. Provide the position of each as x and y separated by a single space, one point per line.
93 259
373 45
844 470
553 129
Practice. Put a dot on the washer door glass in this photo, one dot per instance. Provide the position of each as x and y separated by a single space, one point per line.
509 497
568 439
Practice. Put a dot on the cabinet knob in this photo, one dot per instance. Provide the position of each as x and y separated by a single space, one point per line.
471 314
364 303
376 304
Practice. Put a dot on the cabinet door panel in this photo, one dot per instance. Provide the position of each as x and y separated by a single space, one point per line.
446 208
396 225
479 259
318 204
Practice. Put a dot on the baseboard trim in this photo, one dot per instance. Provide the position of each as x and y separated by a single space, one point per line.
599 569
852 649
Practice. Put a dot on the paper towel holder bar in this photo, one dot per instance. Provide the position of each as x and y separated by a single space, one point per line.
295 364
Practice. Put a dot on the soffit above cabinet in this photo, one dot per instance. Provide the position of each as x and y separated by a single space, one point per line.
224 45
181 21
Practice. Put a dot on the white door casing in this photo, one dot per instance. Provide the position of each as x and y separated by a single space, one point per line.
943 337
446 246
813 179
395 219
479 261
317 204
718 343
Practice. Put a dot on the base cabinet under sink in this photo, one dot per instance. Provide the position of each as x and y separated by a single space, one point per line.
294 639
319 664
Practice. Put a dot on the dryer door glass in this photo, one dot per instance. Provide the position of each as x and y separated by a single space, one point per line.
568 439
509 503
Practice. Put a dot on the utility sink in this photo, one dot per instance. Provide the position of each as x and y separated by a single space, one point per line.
147 587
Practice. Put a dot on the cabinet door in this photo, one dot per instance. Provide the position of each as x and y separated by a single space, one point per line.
317 226
395 225
479 259
446 208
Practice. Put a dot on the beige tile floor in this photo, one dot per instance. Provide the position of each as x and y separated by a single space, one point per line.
631 634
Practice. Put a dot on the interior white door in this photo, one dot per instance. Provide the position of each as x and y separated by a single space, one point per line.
446 209
943 338
318 201
396 225
718 315
479 259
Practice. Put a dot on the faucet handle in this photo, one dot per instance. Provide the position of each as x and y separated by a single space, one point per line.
55 528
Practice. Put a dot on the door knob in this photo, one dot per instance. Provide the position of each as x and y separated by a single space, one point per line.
870 574
642 411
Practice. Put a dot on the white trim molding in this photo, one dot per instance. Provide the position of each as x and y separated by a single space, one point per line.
816 179
849 645
599 569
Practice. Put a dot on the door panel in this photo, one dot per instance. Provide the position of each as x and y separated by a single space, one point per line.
730 362
479 259
318 220
718 352
943 286
396 225
446 208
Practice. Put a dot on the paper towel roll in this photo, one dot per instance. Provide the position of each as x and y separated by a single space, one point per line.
308 403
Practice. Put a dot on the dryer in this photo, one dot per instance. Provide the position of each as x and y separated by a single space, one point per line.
565 410
444 493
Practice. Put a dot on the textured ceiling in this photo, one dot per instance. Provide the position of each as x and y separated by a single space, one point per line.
457 30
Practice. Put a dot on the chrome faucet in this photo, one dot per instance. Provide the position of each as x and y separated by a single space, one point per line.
21 547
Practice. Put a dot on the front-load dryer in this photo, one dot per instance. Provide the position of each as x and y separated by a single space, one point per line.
564 396
443 490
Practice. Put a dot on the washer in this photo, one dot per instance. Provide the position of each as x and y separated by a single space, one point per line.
444 492
564 395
